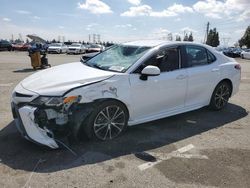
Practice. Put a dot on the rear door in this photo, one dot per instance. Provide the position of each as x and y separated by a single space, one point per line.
203 75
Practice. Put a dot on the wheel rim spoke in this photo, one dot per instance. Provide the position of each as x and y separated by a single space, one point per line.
100 128
107 130
102 113
118 115
115 113
107 112
114 124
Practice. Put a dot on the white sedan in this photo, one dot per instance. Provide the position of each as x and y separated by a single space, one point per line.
128 84
57 48
245 54
76 48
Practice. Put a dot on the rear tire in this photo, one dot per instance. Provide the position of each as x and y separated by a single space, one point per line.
220 96
107 121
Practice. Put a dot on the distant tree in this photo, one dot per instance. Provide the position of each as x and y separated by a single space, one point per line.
245 40
53 41
213 38
185 37
170 37
190 37
178 38
18 41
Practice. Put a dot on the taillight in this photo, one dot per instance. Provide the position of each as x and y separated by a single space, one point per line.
238 67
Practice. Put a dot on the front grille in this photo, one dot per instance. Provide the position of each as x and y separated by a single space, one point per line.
22 95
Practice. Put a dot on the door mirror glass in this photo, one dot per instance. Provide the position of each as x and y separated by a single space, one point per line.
149 70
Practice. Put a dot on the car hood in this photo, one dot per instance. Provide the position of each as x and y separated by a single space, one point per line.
57 80
72 47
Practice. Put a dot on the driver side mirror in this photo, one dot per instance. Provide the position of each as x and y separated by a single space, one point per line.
149 70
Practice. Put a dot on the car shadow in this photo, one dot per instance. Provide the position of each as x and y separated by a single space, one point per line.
24 70
17 153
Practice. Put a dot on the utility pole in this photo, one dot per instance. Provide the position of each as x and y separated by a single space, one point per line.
206 34
89 38
94 38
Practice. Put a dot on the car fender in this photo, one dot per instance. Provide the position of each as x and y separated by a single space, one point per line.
116 88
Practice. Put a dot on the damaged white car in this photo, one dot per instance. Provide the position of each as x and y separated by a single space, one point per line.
128 84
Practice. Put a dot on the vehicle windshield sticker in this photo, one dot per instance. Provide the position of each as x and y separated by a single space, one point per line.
116 68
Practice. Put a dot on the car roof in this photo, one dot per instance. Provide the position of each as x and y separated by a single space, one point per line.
155 43
148 43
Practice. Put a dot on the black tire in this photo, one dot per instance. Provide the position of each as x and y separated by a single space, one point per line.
98 127
220 96
60 51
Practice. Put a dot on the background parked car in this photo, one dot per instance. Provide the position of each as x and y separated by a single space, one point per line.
245 54
95 48
58 48
5 45
21 46
232 52
76 48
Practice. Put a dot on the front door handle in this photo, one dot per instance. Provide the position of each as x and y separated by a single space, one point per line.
181 77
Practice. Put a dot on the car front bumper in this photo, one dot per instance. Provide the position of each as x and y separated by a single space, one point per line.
25 123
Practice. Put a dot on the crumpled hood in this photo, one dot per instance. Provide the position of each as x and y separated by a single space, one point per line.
57 80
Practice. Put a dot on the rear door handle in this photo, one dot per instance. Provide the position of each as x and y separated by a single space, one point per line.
215 70
181 77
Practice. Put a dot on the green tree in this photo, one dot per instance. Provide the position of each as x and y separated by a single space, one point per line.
190 37
245 40
185 37
213 38
178 38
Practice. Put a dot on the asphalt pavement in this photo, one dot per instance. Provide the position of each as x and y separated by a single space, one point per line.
201 148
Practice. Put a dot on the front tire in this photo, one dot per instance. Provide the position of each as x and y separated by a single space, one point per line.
220 96
107 121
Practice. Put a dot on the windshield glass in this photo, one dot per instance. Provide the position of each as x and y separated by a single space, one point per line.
56 44
94 46
118 58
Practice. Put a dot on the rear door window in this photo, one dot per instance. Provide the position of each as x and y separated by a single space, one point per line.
197 56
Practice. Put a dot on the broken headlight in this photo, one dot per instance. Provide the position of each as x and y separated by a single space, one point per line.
55 101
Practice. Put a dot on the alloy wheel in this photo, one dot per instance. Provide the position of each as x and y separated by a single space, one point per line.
221 96
109 122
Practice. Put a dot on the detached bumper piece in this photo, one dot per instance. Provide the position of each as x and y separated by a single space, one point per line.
25 121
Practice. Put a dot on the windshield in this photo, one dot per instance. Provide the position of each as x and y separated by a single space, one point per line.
118 58
94 46
56 44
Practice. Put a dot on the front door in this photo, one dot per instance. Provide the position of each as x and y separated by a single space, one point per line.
160 94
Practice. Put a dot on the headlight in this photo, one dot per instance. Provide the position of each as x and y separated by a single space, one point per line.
55 101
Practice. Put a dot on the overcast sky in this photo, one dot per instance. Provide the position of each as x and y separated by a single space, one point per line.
123 20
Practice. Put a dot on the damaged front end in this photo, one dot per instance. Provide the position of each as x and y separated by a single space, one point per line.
48 120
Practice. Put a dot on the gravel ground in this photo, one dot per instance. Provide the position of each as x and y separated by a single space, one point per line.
201 148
